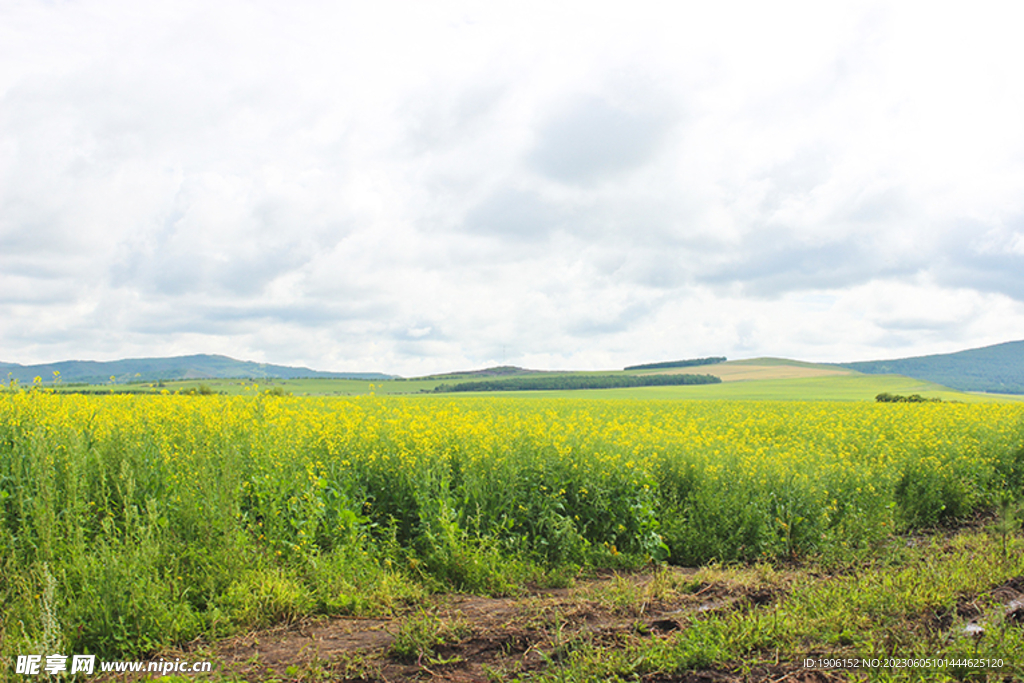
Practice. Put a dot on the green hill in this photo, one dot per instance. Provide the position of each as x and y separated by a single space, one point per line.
201 366
998 368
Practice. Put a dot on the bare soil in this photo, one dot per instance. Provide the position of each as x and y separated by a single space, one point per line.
488 639
471 638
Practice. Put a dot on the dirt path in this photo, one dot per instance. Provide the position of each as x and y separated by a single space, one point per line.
471 638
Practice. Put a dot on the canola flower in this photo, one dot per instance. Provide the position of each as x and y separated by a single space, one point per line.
181 496
714 479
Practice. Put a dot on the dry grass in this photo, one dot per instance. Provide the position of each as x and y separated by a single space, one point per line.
737 372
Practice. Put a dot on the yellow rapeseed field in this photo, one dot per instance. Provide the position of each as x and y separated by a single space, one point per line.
188 495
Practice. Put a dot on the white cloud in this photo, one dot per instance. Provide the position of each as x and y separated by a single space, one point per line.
415 187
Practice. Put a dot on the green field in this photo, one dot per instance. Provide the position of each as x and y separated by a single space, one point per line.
753 379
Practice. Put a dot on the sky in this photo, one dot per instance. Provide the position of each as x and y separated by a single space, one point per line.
416 187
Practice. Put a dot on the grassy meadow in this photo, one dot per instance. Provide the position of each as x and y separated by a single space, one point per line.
132 524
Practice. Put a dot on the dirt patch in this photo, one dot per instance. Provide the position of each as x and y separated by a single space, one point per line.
307 641
472 638
972 607
1009 590
1011 595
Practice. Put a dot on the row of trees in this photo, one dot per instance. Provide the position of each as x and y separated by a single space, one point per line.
886 397
565 382
678 363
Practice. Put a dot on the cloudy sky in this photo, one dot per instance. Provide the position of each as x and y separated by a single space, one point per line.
412 187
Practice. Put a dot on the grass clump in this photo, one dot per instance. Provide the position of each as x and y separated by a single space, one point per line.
943 598
420 635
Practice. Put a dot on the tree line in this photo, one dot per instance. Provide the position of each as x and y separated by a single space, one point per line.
567 382
886 397
689 363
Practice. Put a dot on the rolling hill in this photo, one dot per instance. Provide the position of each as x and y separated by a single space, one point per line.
997 369
993 369
201 366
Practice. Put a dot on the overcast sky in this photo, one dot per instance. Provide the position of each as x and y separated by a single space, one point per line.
412 187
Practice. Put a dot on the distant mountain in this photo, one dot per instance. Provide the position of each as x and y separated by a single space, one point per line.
998 368
202 366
